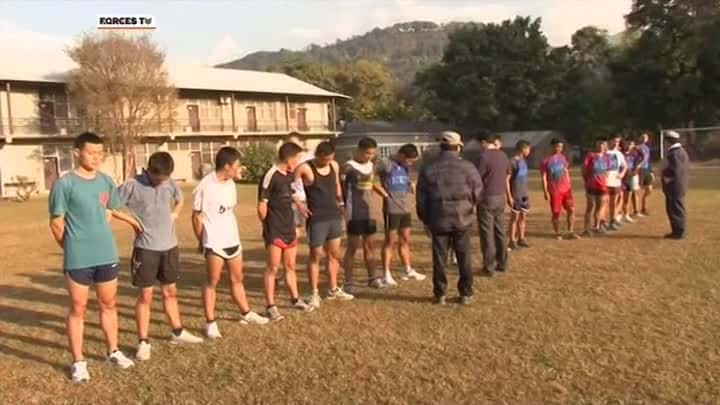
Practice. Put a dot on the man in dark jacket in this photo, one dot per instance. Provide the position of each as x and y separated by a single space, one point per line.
448 190
675 184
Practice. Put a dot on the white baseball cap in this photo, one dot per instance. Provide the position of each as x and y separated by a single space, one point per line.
672 135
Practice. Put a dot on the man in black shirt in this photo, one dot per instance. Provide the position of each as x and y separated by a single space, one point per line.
675 184
321 180
275 209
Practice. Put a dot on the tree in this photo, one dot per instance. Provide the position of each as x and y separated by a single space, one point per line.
494 75
669 74
122 86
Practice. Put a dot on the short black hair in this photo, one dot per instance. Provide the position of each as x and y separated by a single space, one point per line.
324 149
494 137
481 135
227 155
87 137
556 141
367 143
293 134
161 164
288 150
409 150
522 144
599 140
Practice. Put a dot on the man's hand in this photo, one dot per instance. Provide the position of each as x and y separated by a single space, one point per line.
547 196
174 216
304 211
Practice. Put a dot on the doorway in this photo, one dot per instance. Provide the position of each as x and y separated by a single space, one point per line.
51 171
196 160
194 117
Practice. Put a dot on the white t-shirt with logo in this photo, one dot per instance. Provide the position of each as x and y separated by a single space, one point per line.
616 164
217 200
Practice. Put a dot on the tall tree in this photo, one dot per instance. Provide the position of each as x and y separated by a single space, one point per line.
121 85
495 75
669 74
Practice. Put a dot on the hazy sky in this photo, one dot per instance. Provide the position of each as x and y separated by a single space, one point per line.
210 32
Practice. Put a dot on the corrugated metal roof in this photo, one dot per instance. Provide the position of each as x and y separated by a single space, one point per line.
182 77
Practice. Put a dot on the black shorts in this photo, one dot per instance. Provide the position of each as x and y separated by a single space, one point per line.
646 177
147 266
228 253
596 193
364 227
394 222
324 231
521 204
615 190
95 274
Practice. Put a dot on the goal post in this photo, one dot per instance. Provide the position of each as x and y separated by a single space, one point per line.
702 144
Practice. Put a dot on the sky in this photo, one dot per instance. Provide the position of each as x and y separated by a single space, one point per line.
214 31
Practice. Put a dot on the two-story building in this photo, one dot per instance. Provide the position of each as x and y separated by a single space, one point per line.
216 107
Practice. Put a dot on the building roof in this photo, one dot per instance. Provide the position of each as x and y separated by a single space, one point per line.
182 77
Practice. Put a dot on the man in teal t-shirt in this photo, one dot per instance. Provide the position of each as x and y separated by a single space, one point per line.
81 204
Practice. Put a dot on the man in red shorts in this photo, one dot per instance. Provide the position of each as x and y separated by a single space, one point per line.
558 190
595 173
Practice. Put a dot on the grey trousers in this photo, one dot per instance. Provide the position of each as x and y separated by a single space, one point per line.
675 208
491 220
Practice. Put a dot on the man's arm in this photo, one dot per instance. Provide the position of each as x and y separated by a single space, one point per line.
380 190
57 227
421 197
544 179
508 191
128 219
262 210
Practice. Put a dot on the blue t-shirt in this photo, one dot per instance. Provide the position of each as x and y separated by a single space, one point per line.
518 178
395 180
645 152
88 240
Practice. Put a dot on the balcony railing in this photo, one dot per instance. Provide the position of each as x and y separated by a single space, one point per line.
72 126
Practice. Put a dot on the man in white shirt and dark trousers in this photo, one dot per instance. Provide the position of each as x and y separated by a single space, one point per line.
675 184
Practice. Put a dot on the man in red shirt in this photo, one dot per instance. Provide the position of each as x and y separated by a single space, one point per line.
557 187
595 169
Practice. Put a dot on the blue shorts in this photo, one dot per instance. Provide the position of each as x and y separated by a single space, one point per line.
95 274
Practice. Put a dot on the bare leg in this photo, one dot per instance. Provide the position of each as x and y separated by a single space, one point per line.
170 304
289 258
274 256
142 312
333 262
237 288
76 317
522 220
316 255
107 301
213 269
369 256
353 243
512 227
589 209
404 248
387 250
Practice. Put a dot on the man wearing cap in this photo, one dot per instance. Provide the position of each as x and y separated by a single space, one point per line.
675 184
447 192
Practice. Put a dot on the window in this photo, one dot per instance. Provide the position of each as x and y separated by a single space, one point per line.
63 154
195 146
184 145
172 146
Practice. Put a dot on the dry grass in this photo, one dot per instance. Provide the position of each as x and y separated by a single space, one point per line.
629 318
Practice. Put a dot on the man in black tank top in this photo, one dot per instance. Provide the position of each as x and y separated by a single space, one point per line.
320 177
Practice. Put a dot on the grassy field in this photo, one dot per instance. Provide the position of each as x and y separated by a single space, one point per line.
628 318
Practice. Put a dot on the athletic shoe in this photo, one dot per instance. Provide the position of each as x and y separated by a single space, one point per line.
339 295
558 237
118 359
523 243
440 300
79 372
302 305
143 351
628 219
413 275
273 314
185 337
644 213
253 318
315 299
376 283
349 288
618 218
512 246
613 227
212 331
466 300
587 234
674 236
389 281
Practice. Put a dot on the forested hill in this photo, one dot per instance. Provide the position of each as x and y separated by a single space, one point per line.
403 48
